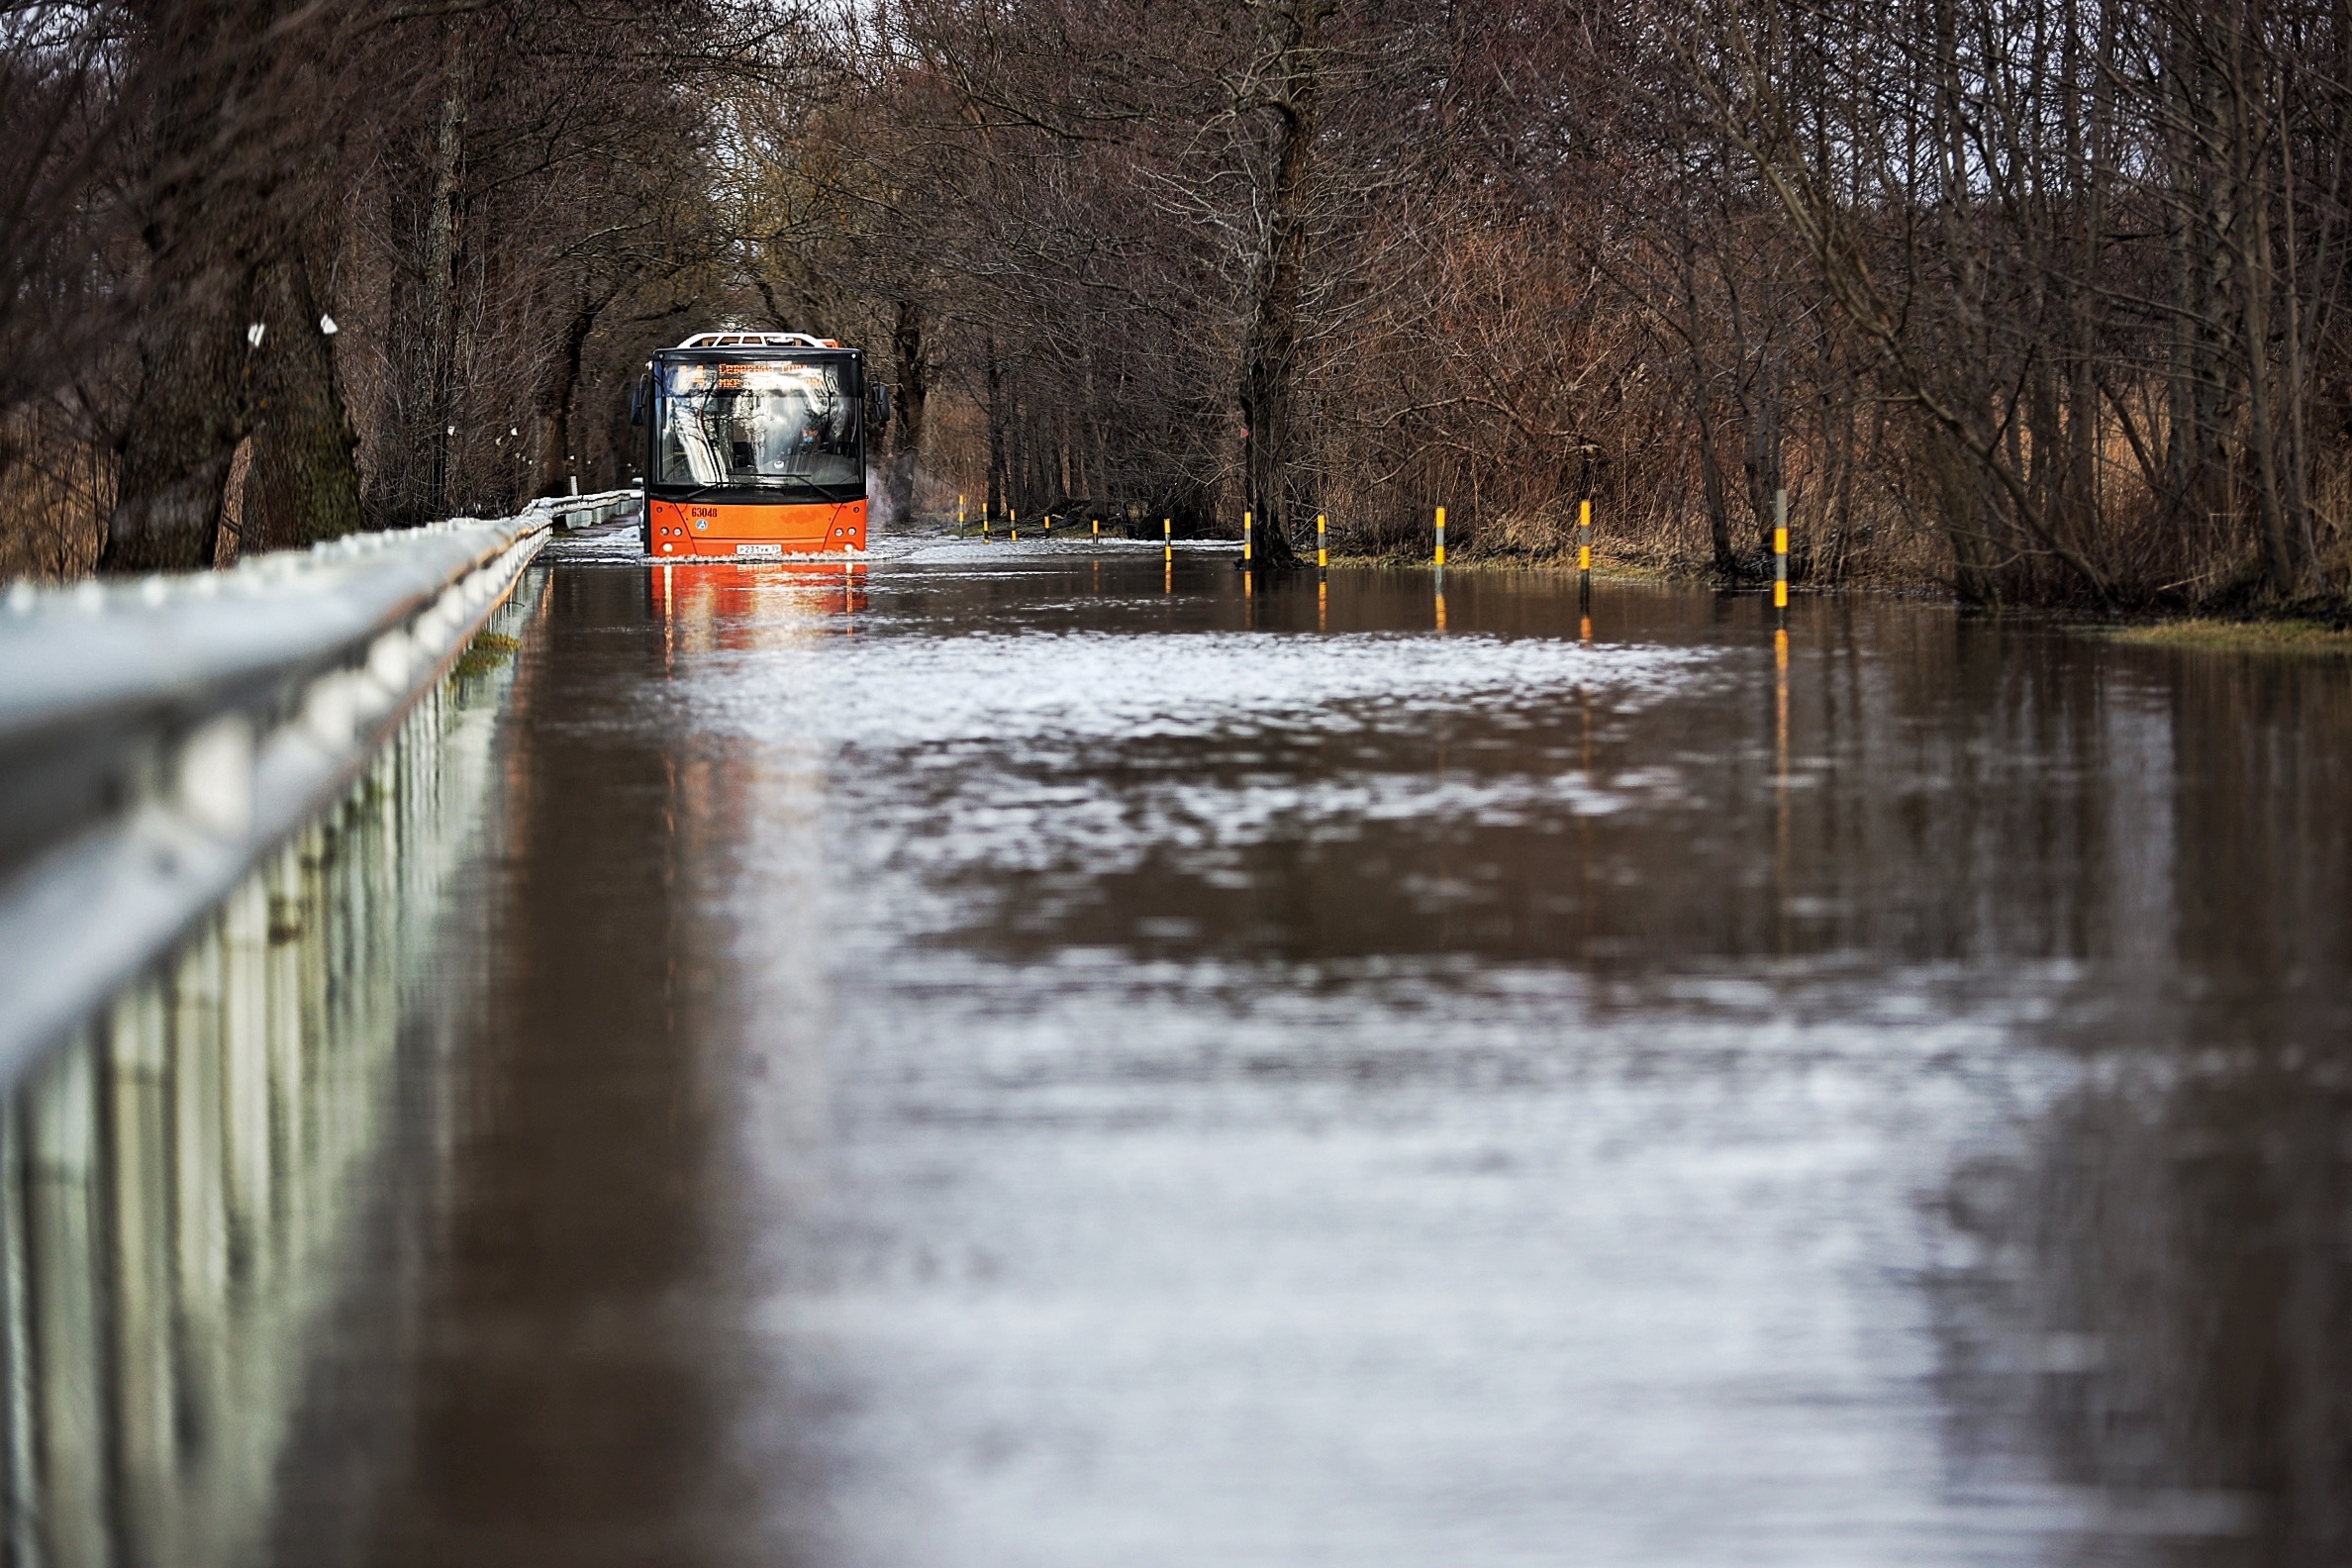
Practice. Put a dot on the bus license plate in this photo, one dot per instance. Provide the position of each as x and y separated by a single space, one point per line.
768 551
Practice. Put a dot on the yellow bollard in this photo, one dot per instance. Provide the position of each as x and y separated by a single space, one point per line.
1779 550
1012 523
1441 538
1322 556
1584 561
1097 524
1168 540
960 512
1246 529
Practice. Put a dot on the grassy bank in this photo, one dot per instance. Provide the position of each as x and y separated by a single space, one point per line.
1553 566
2307 637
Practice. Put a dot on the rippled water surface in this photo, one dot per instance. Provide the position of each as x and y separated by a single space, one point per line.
1018 1058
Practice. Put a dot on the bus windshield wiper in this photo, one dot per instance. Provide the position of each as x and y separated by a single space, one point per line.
756 482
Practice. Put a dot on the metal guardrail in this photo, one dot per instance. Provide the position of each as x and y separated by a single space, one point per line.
200 1173
157 736
586 511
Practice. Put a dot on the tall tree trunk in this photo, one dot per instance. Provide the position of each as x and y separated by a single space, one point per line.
2278 547
1761 463
303 485
183 425
1959 485
1711 468
557 392
208 189
907 412
1098 467
2195 469
442 241
2256 280
995 502
1270 353
1022 439
1711 481
2297 388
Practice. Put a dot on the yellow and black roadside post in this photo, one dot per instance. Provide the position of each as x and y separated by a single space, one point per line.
1248 528
1440 565
1780 672
1779 555
959 513
1012 523
1167 555
1323 575
1584 554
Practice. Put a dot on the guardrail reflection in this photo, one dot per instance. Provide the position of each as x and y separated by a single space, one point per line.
185 1184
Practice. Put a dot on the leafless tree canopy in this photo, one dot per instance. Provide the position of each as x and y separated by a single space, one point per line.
2040 302
280 268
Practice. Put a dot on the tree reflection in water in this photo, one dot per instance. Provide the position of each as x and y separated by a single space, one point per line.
2148 1302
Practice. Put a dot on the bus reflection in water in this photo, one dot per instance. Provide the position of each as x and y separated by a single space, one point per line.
182 1182
710 603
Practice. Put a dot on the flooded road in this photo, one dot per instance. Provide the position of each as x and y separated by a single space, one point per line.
1020 1060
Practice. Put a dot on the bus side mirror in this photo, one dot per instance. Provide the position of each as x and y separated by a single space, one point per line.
638 396
878 406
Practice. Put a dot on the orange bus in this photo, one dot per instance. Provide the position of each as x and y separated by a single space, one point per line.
756 446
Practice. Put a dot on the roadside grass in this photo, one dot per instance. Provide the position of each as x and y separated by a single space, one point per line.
2216 635
1509 565
484 655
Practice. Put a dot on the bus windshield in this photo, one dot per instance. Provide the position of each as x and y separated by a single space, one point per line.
771 423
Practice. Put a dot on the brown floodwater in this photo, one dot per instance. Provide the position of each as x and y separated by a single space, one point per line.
1018 1056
